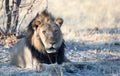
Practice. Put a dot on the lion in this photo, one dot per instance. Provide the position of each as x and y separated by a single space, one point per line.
43 43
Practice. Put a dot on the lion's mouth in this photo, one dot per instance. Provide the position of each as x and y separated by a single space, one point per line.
51 50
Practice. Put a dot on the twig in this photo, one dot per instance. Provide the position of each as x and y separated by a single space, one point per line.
1 5
2 32
46 5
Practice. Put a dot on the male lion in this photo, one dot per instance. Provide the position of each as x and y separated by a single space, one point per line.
43 43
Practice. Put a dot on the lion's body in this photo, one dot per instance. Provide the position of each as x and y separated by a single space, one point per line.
21 55
43 43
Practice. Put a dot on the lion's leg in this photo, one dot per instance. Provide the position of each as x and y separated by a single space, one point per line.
37 66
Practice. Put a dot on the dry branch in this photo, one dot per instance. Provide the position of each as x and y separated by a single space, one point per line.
2 32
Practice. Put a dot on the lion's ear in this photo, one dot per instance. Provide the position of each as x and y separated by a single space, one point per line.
59 21
35 24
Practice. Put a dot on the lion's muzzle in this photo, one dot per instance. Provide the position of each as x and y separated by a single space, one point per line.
51 50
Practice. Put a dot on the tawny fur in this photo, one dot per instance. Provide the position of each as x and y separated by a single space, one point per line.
32 50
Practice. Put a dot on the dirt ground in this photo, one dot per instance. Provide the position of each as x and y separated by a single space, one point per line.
97 49
91 30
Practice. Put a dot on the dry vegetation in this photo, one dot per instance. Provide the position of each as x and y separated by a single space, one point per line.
86 13
92 33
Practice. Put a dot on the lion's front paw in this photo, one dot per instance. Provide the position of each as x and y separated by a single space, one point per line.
40 68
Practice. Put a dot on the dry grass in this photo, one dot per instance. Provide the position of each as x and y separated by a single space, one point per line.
87 13
92 33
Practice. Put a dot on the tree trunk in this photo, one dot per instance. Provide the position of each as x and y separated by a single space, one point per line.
12 16
15 15
8 12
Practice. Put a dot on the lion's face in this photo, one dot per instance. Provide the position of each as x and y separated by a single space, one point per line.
51 37
49 33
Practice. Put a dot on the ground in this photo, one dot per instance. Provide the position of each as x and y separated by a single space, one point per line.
91 31
97 49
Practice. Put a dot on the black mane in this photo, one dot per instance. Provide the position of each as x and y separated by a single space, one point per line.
49 58
44 58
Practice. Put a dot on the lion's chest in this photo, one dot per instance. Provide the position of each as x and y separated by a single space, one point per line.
48 59
44 58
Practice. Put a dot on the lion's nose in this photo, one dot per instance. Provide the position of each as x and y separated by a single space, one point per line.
52 42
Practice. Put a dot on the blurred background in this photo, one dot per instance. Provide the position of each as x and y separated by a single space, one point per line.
84 14
77 14
101 16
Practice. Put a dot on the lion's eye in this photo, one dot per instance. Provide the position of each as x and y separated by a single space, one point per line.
43 32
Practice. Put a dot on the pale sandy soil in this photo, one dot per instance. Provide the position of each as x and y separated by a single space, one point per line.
98 50
91 30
